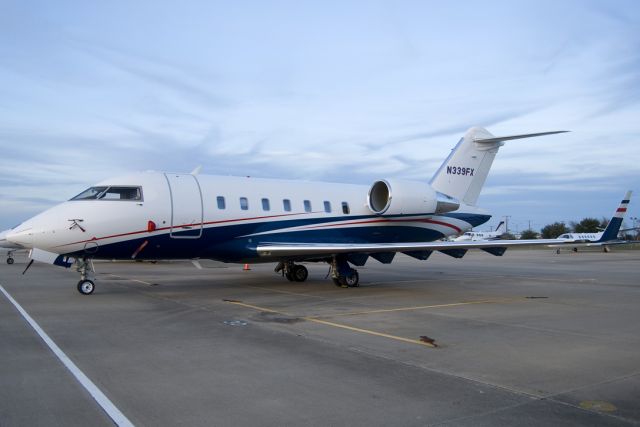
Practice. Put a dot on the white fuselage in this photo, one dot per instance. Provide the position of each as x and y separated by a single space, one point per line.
187 216
581 237
473 236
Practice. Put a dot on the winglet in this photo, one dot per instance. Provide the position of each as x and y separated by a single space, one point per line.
510 137
197 170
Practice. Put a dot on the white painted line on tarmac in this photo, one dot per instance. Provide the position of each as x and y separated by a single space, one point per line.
102 400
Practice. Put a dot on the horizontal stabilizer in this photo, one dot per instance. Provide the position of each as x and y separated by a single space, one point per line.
510 137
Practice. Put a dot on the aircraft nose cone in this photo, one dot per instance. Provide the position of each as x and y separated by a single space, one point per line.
21 237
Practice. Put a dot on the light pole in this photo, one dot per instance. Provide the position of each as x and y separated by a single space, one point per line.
634 219
506 223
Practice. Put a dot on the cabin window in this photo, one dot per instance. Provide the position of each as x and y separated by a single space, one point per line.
327 206
111 193
265 205
221 204
307 206
345 208
286 204
244 203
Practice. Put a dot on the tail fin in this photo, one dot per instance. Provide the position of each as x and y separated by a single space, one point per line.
499 225
464 172
611 232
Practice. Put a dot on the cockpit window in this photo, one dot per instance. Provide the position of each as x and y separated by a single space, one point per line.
90 193
111 193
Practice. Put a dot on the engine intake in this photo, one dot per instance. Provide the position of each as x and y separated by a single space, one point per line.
397 197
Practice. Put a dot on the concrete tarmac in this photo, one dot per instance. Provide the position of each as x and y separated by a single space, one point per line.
530 338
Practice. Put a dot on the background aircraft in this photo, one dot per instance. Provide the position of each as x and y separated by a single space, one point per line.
239 219
603 238
482 235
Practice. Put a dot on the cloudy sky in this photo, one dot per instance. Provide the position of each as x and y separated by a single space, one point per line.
346 91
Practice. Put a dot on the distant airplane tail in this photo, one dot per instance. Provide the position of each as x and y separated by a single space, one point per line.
500 225
611 232
464 172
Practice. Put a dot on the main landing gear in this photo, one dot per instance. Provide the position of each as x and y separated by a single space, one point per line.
86 285
293 272
10 259
342 274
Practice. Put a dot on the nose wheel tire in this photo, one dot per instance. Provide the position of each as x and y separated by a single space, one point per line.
10 261
86 287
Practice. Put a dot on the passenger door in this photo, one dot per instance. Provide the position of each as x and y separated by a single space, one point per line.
186 206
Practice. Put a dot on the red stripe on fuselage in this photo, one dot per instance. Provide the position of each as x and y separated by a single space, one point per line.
430 221
131 233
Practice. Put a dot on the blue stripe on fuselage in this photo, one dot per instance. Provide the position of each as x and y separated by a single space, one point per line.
233 243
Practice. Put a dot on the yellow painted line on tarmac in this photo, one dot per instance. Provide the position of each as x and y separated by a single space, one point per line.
141 281
420 307
131 280
255 307
280 291
370 332
337 325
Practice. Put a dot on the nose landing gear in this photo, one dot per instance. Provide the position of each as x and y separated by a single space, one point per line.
86 285
10 259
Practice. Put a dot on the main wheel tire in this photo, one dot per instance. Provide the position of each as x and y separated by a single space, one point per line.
352 280
300 273
575 249
558 251
10 261
86 287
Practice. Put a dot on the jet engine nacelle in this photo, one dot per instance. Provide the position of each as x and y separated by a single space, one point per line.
397 197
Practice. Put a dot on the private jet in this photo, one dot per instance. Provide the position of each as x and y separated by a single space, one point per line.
604 238
482 235
162 215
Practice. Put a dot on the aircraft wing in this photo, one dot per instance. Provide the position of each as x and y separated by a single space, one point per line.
318 249
611 242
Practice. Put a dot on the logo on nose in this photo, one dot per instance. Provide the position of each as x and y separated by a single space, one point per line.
75 223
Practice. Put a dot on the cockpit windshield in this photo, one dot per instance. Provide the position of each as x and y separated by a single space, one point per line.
111 193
